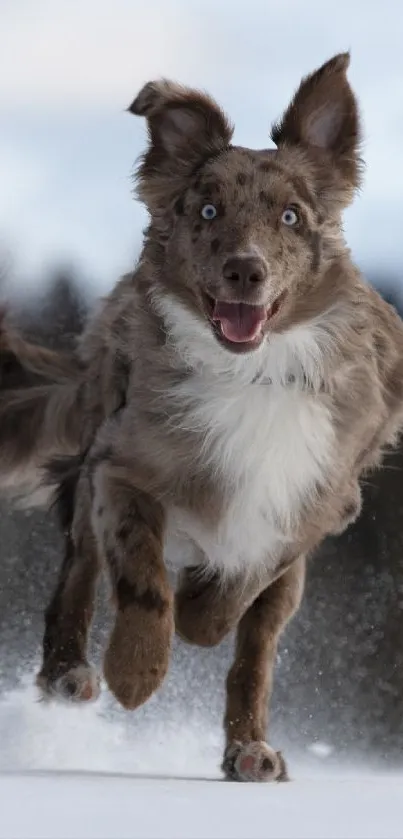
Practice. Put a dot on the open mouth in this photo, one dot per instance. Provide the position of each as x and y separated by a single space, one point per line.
239 324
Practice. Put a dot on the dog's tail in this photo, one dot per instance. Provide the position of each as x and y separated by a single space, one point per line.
40 407
36 424
23 363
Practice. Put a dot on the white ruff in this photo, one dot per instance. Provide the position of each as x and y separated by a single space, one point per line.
270 444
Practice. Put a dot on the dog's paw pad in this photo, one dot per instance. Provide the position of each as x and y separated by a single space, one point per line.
79 684
254 761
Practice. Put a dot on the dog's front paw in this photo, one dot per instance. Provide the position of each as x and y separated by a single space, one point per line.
254 761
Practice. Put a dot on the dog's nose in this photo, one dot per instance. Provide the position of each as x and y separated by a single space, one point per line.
245 271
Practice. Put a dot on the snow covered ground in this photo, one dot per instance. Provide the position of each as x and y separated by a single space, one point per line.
58 805
74 772
70 773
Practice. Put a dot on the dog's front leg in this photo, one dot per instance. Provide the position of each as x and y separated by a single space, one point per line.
249 684
129 527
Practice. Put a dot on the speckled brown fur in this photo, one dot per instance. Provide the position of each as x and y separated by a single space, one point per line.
171 422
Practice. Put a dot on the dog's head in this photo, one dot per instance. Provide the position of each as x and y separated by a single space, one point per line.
242 236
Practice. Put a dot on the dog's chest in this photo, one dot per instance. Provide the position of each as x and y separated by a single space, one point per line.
268 447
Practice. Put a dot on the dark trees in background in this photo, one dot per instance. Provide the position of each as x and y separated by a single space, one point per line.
55 315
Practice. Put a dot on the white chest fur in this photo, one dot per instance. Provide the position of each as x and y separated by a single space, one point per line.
270 445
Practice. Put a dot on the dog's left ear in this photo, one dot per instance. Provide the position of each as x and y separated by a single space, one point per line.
185 127
323 118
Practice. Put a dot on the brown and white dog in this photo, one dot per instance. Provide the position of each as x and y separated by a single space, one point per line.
228 396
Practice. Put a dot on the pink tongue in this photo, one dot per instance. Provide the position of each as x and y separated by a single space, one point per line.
239 321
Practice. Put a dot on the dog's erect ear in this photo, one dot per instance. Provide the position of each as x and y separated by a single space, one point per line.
323 115
178 116
185 127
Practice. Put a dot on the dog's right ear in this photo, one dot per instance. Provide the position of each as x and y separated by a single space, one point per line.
185 127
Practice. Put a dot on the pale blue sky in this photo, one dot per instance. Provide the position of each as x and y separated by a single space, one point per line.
70 67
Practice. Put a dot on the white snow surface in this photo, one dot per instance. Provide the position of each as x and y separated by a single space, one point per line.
74 772
56 806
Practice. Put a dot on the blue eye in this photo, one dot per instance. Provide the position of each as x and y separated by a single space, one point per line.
289 217
208 212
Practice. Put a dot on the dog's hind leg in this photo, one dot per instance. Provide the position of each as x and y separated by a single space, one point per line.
65 670
207 608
